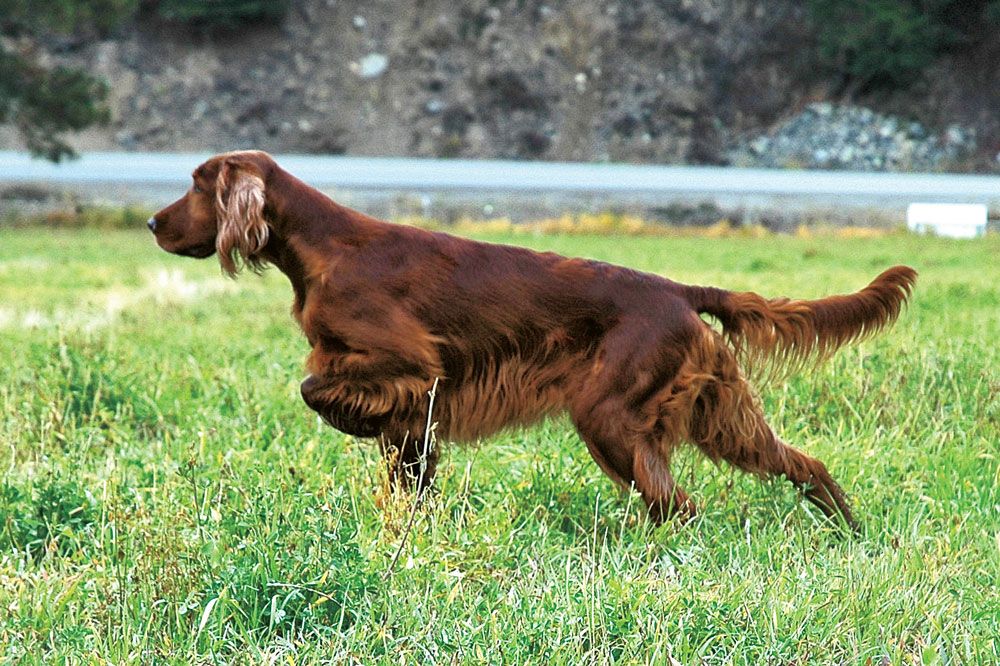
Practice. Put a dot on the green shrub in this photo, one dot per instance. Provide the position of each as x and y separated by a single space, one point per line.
888 43
44 102
70 17
222 13
49 102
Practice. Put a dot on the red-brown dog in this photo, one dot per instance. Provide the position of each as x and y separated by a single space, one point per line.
512 335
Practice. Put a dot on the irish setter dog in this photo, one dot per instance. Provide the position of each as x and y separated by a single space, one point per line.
512 335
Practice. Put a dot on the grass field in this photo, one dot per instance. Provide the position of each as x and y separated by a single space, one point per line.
166 496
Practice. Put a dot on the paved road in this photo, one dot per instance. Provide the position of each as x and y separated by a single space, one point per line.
163 176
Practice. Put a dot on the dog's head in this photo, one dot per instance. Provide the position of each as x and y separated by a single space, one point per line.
223 211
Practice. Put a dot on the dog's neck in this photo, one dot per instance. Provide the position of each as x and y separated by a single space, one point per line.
301 218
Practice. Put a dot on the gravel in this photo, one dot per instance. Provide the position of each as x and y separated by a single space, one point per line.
827 136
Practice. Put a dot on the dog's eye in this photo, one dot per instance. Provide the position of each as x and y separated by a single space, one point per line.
196 189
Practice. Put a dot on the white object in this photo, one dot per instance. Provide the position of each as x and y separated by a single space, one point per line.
947 219
372 65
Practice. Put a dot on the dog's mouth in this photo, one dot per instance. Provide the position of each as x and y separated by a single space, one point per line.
197 251
175 245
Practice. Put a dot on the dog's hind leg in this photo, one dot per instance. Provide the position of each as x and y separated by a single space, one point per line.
663 497
726 423
615 413
632 458
811 477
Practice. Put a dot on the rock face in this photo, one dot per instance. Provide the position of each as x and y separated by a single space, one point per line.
682 81
631 80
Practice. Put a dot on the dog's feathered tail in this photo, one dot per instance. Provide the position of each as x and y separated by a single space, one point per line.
776 336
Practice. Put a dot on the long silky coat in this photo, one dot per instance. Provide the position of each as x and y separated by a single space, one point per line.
511 335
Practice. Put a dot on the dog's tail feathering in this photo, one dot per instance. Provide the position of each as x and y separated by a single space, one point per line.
776 336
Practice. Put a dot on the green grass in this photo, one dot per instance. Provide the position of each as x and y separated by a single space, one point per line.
167 497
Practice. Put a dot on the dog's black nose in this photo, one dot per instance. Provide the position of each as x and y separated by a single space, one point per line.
151 223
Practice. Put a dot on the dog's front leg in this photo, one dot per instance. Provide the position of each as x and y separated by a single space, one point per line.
364 391
410 459
372 377
344 407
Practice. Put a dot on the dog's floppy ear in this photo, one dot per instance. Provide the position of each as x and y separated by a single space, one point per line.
239 203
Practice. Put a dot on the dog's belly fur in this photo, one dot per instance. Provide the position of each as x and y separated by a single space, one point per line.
510 393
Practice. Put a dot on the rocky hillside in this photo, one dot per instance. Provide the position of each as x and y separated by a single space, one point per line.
697 81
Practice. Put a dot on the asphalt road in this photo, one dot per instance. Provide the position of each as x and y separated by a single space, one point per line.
156 177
